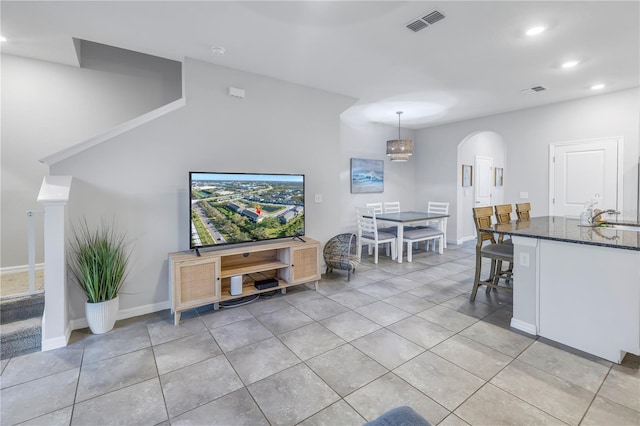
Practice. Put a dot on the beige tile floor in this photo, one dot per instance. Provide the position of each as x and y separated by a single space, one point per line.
397 334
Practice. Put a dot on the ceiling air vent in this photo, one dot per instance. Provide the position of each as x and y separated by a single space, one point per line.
416 26
433 17
534 89
423 22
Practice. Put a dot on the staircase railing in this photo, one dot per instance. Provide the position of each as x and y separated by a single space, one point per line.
31 245
17 287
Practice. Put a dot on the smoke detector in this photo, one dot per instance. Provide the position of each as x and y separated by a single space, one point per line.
218 50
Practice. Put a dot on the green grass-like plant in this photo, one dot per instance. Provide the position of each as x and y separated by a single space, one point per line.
99 260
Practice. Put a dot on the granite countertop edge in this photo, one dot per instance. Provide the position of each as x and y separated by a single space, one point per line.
568 231
574 241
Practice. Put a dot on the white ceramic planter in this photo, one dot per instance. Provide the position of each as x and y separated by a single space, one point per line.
102 316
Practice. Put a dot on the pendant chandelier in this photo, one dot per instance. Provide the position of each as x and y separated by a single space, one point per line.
399 149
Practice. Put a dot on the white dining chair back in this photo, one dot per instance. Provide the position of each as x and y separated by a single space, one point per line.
369 234
377 207
383 226
392 206
438 207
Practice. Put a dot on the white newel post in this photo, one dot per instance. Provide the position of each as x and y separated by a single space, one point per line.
54 196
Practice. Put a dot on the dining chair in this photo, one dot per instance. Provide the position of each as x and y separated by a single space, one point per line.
377 207
387 227
386 207
522 210
392 206
369 234
493 251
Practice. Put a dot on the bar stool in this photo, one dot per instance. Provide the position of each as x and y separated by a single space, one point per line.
503 215
494 251
522 210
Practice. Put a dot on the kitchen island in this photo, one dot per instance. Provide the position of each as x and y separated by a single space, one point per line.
579 286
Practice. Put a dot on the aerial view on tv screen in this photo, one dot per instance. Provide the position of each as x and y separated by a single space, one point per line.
228 208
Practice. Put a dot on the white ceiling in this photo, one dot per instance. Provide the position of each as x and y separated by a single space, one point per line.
473 63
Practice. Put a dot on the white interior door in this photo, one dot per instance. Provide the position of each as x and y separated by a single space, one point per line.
483 170
584 170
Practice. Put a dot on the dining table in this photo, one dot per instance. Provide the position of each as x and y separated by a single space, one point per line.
408 218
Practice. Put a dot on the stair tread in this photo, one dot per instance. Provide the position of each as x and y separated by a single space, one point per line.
17 328
33 299
20 337
20 308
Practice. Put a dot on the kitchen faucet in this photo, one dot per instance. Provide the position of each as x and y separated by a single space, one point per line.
610 211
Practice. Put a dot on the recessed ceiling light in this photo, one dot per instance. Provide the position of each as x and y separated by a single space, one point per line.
570 64
597 87
535 31
2 38
218 51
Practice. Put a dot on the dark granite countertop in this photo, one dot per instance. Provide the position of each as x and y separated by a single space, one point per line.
563 229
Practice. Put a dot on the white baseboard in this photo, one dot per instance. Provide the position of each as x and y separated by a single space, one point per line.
19 268
79 323
54 342
464 239
524 326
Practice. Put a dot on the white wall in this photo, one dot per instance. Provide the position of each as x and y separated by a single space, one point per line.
527 135
369 140
141 177
47 107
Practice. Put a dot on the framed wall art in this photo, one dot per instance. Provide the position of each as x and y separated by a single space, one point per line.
467 175
367 176
499 180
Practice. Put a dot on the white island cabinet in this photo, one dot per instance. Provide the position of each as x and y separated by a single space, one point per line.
578 286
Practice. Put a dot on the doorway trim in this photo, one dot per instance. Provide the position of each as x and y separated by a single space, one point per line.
619 140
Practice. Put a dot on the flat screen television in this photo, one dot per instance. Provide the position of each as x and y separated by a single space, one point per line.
234 208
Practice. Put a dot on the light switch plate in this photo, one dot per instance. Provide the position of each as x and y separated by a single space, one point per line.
318 198
524 195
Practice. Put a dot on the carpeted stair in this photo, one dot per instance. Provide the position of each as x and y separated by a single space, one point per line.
21 325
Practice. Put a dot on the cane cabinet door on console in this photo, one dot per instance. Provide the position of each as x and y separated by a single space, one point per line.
305 264
196 282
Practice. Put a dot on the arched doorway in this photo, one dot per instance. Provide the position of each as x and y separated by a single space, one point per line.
483 150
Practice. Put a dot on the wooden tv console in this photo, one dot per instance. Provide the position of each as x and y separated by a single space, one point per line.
206 279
